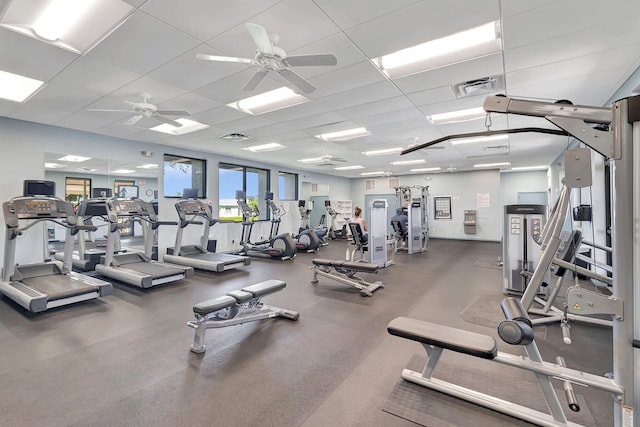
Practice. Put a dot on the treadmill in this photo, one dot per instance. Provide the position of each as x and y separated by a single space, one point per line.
195 211
41 286
132 267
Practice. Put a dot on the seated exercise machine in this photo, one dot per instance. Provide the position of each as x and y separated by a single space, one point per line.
41 286
378 242
278 246
345 272
133 267
614 133
198 212
235 308
515 330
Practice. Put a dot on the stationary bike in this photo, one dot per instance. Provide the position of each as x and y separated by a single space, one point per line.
278 246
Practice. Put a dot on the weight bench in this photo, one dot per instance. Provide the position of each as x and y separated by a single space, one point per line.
345 272
515 330
234 308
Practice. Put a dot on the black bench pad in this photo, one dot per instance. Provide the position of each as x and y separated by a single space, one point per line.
265 288
454 339
209 306
364 267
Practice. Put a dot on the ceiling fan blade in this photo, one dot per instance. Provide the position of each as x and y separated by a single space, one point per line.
311 60
167 120
257 78
133 120
172 113
223 58
100 109
260 37
297 80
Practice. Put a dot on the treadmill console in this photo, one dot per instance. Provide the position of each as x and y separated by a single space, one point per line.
192 207
122 208
36 208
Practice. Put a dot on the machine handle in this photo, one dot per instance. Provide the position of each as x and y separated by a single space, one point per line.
568 389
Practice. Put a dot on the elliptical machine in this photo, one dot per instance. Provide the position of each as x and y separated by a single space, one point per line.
278 246
307 240
333 233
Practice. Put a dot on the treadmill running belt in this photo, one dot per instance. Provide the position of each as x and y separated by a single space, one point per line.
59 286
154 269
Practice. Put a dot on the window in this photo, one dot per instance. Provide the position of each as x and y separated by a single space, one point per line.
181 173
287 186
77 190
253 181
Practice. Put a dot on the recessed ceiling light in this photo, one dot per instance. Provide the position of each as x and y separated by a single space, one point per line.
123 171
479 139
15 87
54 165
344 135
408 162
383 152
75 25
452 49
312 160
272 146
457 116
425 169
372 173
528 168
348 168
491 165
72 158
188 126
148 166
269 101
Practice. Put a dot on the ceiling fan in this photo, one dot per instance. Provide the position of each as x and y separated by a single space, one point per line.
329 160
270 57
146 110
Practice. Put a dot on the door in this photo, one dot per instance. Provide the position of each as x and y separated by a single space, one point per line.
317 211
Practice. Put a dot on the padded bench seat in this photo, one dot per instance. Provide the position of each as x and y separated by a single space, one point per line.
364 267
209 306
265 288
454 339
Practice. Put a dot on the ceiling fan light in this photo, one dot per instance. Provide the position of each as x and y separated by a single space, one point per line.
344 135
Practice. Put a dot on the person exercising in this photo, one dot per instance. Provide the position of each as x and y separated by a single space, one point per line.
402 218
357 217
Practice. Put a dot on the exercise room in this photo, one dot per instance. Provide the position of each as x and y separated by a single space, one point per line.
319 213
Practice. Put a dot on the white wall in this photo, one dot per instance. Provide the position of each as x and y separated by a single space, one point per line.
464 188
24 144
512 183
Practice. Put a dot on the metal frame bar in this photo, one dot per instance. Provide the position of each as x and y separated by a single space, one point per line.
366 289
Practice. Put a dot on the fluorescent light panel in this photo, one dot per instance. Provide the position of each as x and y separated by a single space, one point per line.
457 116
312 160
54 165
269 101
433 169
123 171
75 25
528 168
458 47
272 146
344 135
72 158
383 152
408 162
372 173
148 166
348 168
15 87
472 140
491 165
188 126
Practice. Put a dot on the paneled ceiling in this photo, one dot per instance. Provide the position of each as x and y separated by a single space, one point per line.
579 50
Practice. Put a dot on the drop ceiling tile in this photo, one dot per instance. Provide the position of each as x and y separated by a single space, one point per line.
189 102
351 13
62 98
85 120
219 115
375 108
204 19
244 125
142 43
321 119
45 115
432 96
360 96
343 79
308 109
270 131
96 77
229 89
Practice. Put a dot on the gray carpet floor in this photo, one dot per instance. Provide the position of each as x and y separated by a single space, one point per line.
125 360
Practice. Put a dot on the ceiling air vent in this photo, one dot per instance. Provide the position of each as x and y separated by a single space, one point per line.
478 86
238 137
